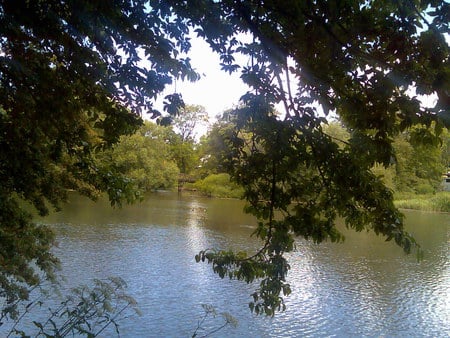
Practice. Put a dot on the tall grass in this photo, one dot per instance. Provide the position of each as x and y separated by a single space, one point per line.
429 202
219 185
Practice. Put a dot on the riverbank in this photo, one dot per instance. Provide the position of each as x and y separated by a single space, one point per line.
219 186
439 202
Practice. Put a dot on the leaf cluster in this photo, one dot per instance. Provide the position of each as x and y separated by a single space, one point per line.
297 181
357 59
86 312
74 77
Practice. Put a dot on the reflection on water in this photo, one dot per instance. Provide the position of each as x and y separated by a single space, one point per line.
364 287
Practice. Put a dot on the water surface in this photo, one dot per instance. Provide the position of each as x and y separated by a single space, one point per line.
364 287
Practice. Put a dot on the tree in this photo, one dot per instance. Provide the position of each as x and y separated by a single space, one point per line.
446 150
213 147
144 158
357 59
183 142
415 166
189 118
418 167
71 81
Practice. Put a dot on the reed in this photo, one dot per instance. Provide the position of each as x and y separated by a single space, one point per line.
430 202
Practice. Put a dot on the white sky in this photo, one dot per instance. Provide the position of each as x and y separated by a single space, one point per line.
216 90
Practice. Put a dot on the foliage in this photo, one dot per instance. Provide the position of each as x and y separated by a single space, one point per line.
190 117
183 143
415 166
337 131
427 202
419 167
357 59
274 167
213 146
184 154
218 185
72 81
21 243
210 311
386 174
87 312
144 158
446 149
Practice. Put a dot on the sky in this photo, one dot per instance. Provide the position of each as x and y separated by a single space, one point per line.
216 90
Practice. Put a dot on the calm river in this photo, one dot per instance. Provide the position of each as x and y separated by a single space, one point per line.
363 287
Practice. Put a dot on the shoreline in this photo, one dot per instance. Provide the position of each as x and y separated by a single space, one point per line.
422 203
438 202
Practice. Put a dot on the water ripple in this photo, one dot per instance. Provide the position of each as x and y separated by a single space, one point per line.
362 288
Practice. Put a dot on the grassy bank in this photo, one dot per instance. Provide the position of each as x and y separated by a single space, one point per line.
218 185
429 202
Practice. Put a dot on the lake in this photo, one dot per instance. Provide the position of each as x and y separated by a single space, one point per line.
364 287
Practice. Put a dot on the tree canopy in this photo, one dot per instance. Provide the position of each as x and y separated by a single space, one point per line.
189 118
72 80
145 158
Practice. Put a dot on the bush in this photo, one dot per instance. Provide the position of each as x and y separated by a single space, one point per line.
218 185
424 188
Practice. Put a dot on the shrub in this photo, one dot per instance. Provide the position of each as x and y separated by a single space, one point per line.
218 185
424 188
